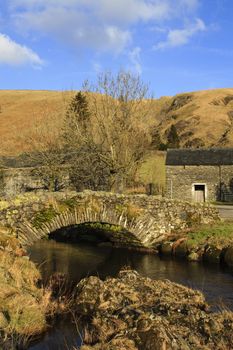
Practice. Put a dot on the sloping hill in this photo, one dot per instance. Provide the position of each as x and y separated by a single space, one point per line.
20 111
203 118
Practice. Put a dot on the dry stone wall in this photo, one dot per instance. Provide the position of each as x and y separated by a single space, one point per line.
14 181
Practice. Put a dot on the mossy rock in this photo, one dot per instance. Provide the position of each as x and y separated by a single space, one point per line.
194 256
44 216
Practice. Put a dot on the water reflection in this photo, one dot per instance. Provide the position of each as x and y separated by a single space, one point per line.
78 261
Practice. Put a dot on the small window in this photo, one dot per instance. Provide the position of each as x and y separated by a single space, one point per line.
199 188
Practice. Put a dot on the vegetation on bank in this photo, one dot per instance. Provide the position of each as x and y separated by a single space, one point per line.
23 305
219 234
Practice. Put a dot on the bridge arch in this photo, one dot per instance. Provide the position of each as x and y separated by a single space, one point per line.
137 230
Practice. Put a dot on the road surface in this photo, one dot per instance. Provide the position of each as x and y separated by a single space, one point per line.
225 211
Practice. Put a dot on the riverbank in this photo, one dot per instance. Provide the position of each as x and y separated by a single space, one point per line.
212 243
132 312
26 307
23 305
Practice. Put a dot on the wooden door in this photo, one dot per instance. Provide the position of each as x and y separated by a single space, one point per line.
199 193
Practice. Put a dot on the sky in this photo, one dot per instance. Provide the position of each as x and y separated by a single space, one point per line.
174 45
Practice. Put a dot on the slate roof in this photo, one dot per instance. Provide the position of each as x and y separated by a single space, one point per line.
200 156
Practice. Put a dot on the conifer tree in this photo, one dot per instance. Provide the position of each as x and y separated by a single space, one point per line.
76 121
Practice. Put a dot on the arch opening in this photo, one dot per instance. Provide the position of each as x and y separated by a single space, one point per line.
96 233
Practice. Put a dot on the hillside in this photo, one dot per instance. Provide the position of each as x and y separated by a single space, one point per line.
203 118
21 111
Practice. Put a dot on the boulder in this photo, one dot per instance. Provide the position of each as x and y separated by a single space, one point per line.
194 256
132 312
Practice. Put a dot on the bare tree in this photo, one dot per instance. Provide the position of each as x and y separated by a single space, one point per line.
118 105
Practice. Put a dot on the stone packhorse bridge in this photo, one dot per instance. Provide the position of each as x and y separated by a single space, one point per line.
145 220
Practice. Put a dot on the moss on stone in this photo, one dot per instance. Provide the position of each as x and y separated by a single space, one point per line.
44 216
68 203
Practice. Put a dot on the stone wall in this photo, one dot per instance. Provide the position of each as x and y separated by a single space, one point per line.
180 180
14 181
150 218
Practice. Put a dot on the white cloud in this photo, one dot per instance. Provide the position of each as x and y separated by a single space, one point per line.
75 28
12 53
135 59
179 37
116 10
97 24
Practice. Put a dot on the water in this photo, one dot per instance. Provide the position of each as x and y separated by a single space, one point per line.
81 260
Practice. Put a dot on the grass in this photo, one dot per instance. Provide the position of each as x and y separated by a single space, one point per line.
152 170
21 301
23 305
220 235
22 110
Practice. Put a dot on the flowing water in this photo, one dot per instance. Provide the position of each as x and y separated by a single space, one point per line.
81 260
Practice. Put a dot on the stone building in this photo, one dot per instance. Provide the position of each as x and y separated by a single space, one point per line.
200 175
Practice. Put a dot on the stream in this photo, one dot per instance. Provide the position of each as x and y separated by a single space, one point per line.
80 260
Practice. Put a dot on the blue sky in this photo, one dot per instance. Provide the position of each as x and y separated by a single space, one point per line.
175 45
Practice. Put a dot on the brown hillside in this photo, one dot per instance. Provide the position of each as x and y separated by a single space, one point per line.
21 111
203 118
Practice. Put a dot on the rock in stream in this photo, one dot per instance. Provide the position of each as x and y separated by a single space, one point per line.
132 312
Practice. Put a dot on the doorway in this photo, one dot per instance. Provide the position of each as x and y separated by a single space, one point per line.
199 192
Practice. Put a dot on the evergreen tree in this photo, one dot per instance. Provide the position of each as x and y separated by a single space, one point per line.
79 107
76 121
